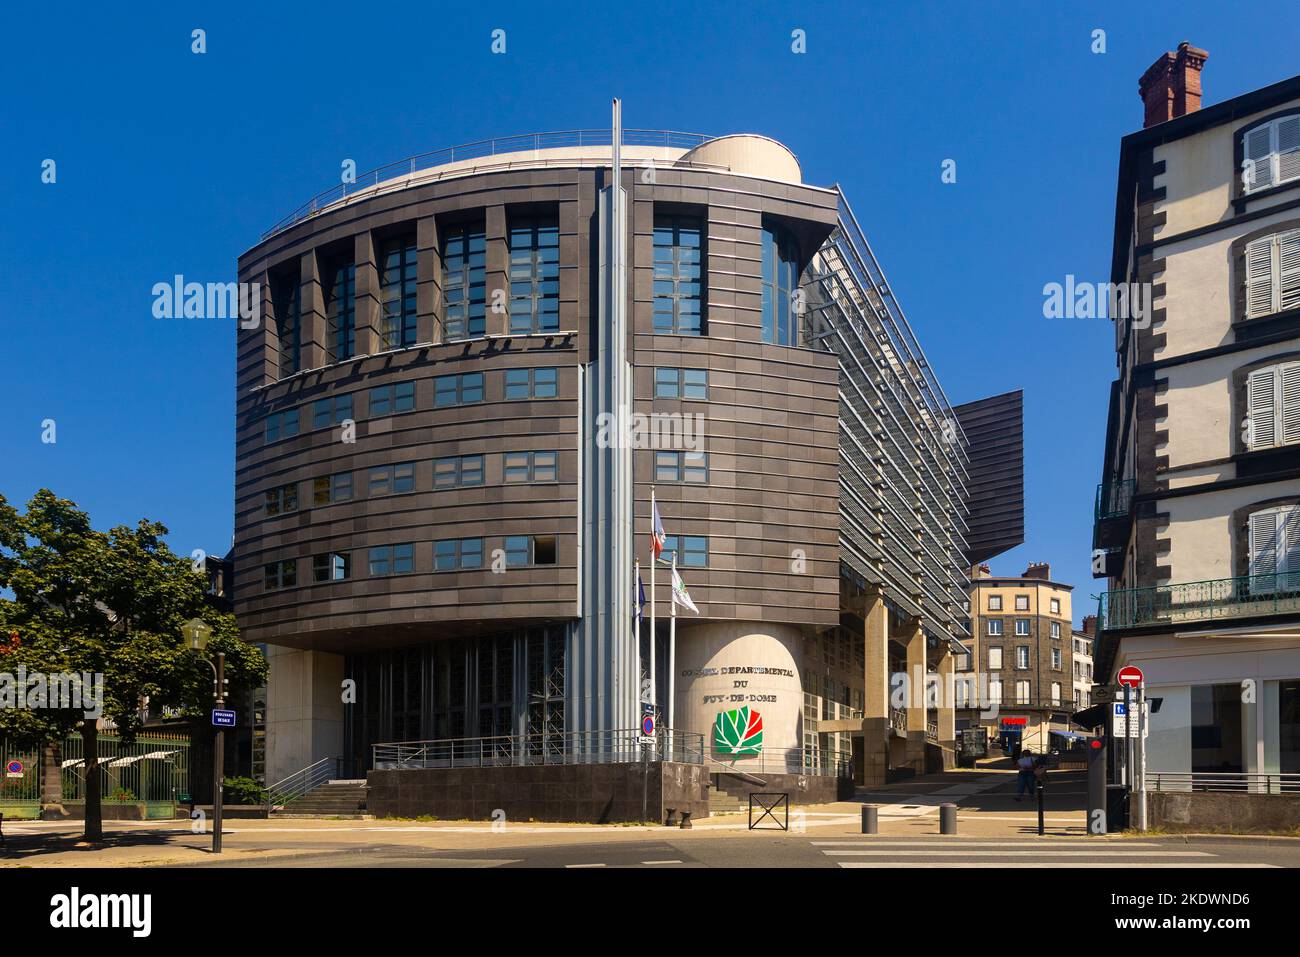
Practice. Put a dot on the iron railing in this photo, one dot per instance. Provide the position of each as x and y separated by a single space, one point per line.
585 747
1242 782
806 760
1217 599
303 781
1114 499
562 139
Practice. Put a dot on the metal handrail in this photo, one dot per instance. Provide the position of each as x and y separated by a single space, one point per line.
1217 598
561 139
616 746
1238 781
301 782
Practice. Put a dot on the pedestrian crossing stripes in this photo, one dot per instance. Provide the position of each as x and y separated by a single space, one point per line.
1020 853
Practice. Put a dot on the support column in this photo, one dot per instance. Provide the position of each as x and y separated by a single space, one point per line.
875 698
947 711
428 281
497 271
914 640
315 349
369 339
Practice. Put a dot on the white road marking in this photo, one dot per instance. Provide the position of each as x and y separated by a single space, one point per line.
1025 864
661 862
1099 852
584 865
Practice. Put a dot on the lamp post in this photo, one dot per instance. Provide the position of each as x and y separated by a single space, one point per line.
196 634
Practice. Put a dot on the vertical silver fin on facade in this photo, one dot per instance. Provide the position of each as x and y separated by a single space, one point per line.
602 672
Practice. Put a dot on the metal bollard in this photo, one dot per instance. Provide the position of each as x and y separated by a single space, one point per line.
947 819
686 820
672 817
870 819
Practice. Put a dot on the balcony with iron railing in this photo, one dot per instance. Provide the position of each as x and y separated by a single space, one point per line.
1220 599
1112 513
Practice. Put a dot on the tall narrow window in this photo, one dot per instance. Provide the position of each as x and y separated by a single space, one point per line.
534 275
397 293
286 295
340 312
464 278
678 275
780 279
1273 406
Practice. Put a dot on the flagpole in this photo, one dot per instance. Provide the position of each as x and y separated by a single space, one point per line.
654 685
636 603
672 642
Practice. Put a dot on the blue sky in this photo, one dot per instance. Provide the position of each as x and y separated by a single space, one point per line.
170 162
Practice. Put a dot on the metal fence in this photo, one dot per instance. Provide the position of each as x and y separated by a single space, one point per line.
152 771
1240 782
587 747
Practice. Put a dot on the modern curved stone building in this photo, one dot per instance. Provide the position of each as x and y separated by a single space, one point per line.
432 498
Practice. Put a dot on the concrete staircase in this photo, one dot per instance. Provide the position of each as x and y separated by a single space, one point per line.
720 802
346 799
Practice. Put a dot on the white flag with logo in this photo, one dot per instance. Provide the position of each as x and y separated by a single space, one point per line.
680 595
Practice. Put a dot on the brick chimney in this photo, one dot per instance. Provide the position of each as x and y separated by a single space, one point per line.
1171 86
1041 570
980 571
1090 625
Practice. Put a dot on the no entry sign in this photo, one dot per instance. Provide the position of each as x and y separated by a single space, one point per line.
1130 676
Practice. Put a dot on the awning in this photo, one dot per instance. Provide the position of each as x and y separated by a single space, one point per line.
1073 736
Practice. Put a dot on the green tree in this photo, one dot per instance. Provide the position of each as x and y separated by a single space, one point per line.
107 603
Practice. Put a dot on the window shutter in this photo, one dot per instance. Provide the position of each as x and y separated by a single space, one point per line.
1289 552
1288 148
1259 277
1288 268
1263 551
1261 400
1257 146
1290 374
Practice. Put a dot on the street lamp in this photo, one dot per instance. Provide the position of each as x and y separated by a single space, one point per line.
196 634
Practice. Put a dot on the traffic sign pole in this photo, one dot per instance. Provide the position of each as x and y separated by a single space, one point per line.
218 756
1142 756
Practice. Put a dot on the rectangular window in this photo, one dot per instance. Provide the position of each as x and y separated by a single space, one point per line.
391 479
678 271
694 553
340 312
1056 606
332 567
1056 629
521 467
331 411
995 602
457 471
1273 406
995 626
1274 549
1217 719
452 554
995 691
282 498
1022 656
534 275
1022 692
464 273
388 399
286 297
518 551
995 658
1273 274
1271 154
1022 603
332 488
397 279
692 467
281 425
1056 659
1022 626
392 560
681 383
780 275
281 574
530 384
449 390
1056 693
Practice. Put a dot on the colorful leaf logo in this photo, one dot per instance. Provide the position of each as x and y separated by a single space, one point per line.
738 732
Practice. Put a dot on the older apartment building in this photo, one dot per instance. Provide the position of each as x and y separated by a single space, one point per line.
1198 514
1022 646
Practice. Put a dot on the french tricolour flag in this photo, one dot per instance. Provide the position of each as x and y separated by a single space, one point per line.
657 536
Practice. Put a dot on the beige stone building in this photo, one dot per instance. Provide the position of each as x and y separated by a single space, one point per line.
1198 514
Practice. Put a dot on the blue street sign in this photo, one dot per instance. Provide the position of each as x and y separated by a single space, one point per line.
223 719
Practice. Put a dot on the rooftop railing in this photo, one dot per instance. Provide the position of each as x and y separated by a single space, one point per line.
1217 599
563 139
